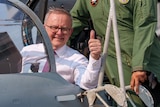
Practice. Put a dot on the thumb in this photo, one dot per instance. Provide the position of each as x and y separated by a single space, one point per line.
92 34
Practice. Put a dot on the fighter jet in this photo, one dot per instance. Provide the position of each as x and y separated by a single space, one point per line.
18 28
21 24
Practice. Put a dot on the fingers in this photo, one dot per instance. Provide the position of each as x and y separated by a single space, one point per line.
135 84
136 87
94 46
137 78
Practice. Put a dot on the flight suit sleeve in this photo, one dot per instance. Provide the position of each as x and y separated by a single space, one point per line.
144 22
80 16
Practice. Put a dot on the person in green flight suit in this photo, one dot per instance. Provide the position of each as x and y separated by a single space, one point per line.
140 47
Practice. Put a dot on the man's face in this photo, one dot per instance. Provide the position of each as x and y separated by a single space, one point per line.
59 29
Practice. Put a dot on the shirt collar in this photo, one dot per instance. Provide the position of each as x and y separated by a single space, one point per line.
61 51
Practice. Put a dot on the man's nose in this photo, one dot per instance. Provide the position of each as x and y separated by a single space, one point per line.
59 30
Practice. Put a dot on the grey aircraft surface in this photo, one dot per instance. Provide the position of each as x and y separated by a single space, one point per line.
19 27
21 24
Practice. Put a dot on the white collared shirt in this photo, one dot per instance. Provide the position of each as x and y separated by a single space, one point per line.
70 64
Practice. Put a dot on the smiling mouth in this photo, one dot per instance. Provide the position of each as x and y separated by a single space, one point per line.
61 39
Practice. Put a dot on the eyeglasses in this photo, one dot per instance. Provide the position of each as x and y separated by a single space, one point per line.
56 28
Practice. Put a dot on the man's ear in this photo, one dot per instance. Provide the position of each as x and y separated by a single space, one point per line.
71 31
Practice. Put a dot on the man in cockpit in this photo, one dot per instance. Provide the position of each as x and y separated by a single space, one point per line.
70 64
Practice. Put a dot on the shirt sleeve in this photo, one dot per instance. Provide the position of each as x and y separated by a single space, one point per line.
33 54
88 77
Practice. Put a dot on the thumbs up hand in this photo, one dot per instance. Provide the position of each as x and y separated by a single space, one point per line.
94 46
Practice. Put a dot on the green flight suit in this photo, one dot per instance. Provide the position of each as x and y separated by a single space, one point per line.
137 21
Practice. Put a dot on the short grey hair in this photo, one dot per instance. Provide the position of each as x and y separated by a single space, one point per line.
57 11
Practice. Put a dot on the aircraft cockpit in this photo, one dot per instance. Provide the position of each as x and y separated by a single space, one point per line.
19 28
17 31
21 31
